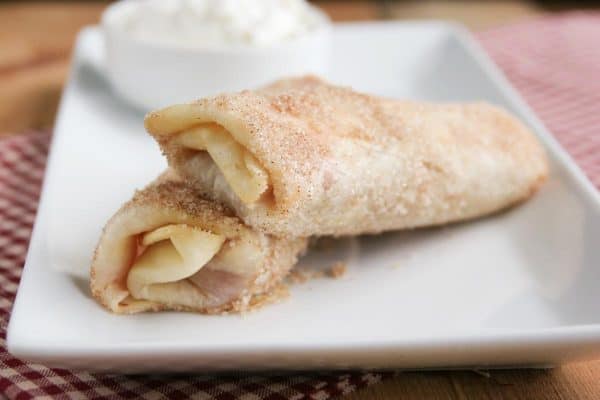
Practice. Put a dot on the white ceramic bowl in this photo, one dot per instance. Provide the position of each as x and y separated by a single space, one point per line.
153 75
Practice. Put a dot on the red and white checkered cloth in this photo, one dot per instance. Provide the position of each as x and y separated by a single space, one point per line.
553 61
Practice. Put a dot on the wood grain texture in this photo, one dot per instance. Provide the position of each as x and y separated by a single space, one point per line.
474 15
352 10
36 41
571 381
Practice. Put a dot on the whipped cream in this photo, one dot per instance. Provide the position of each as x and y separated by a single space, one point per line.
217 23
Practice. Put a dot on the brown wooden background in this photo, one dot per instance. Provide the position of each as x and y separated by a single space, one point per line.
35 45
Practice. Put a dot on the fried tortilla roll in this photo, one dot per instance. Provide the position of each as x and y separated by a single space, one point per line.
302 157
168 248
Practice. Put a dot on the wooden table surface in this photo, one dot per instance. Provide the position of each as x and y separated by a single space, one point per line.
35 44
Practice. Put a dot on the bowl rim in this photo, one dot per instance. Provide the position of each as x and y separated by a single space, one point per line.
322 28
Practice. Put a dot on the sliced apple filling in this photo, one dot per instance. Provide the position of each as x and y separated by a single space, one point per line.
242 171
172 254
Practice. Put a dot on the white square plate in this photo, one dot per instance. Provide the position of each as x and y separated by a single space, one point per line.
520 288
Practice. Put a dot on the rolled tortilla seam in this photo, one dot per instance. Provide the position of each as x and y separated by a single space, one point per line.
326 160
170 248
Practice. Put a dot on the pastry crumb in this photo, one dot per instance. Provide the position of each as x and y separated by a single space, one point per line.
337 270
300 276
274 295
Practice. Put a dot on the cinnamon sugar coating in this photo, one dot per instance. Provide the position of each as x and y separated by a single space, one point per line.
169 200
342 162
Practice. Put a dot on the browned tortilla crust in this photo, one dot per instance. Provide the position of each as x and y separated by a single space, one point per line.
169 200
342 162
